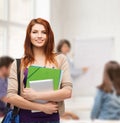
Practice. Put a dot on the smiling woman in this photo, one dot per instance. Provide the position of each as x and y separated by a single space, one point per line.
39 50
38 35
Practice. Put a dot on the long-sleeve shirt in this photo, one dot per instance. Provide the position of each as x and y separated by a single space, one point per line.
3 87
74 71
3 92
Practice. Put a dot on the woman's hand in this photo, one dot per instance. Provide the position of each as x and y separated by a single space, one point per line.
50 108
29 94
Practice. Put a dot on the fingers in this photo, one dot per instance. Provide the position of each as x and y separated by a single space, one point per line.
26 90
55 106
53 102
52 108
53 112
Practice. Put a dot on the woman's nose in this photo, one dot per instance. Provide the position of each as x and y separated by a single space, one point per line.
39 34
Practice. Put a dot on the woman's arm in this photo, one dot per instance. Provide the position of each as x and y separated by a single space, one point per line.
20 102
97 105
56 96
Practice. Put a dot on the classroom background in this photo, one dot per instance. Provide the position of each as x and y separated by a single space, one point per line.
91 26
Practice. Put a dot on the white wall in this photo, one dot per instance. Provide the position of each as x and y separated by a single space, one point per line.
56 17
42 9
84 19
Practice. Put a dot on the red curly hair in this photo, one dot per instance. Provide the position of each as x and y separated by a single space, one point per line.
49 45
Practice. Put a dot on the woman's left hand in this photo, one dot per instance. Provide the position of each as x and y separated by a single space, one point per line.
29 94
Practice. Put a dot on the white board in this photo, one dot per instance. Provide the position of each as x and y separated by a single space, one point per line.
93 53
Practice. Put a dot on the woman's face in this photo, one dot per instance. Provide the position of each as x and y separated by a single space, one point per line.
65 49
38 35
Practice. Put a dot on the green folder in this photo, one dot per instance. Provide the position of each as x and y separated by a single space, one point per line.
40 73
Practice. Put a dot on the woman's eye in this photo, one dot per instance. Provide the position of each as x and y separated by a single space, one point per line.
44 32
34 32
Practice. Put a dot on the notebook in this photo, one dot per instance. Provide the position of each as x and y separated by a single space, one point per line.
42 86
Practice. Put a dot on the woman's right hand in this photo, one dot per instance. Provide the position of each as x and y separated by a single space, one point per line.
50 108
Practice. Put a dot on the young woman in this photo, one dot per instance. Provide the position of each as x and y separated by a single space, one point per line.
38 50
107 101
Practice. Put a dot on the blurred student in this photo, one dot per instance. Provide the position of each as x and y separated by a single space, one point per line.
64 47
5 64
107 102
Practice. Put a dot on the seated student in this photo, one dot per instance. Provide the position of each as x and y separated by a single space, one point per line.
107 101
5 63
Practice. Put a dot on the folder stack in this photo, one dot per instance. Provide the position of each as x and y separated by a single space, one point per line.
41 73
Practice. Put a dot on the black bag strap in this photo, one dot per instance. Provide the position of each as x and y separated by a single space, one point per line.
16 109
18 74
